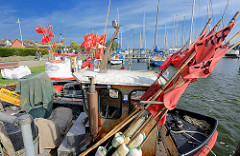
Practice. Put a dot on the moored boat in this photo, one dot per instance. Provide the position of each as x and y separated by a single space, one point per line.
116 59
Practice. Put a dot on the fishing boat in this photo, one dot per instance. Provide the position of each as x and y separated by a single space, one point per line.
120 113
116 59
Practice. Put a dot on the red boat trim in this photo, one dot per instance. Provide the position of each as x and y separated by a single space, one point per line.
211 142
70 55
58 88
62 78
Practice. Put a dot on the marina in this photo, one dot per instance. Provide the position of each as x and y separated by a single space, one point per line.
100 97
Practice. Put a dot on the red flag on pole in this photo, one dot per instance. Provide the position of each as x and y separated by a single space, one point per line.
45 30
39 30
88 37
50 27
46 39
203 69
171 98
207 46
51 34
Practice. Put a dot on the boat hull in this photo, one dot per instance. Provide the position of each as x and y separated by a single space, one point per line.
116 62
156 63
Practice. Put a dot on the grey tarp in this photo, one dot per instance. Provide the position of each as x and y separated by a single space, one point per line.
37 94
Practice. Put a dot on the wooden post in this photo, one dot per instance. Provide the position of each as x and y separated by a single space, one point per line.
103 66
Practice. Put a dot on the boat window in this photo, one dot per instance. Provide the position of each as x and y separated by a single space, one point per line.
110 103
134 98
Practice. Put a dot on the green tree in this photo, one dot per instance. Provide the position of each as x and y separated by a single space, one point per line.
82 48
74 44
114 45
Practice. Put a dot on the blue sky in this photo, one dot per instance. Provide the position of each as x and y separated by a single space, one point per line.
78 17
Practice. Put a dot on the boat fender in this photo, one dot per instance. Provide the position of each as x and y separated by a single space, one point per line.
135 152
122 150
119 139
127 140
139 139
101 151
135 127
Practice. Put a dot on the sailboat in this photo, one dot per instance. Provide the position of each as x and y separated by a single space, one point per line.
157 59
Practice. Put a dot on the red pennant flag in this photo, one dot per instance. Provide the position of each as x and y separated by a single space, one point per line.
88 37
87 64
45 30
206 47
46 39
171 98
51 34
202 70
182 56
50 27
39 30
100 39
54 45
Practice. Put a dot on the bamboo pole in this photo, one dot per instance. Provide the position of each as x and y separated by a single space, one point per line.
113 131
143 126
235 36
164 113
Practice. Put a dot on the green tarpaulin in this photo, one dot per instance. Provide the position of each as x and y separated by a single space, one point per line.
37 94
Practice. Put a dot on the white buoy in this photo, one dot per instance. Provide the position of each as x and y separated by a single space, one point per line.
118 139
127 140
135 127
122 150
101 151
135 152
139 139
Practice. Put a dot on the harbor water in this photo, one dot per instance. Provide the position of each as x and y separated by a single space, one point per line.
217 96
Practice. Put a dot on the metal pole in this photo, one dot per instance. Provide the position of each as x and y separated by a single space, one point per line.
20 31
25 124
24 121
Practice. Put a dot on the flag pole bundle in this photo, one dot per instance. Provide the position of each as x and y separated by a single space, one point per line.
48 35
198 61
91 43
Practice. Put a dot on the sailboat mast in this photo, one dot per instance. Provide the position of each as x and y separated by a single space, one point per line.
173 33
118 24
183 31
144 40
155 38
165 37
176 39
121 38
190 34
